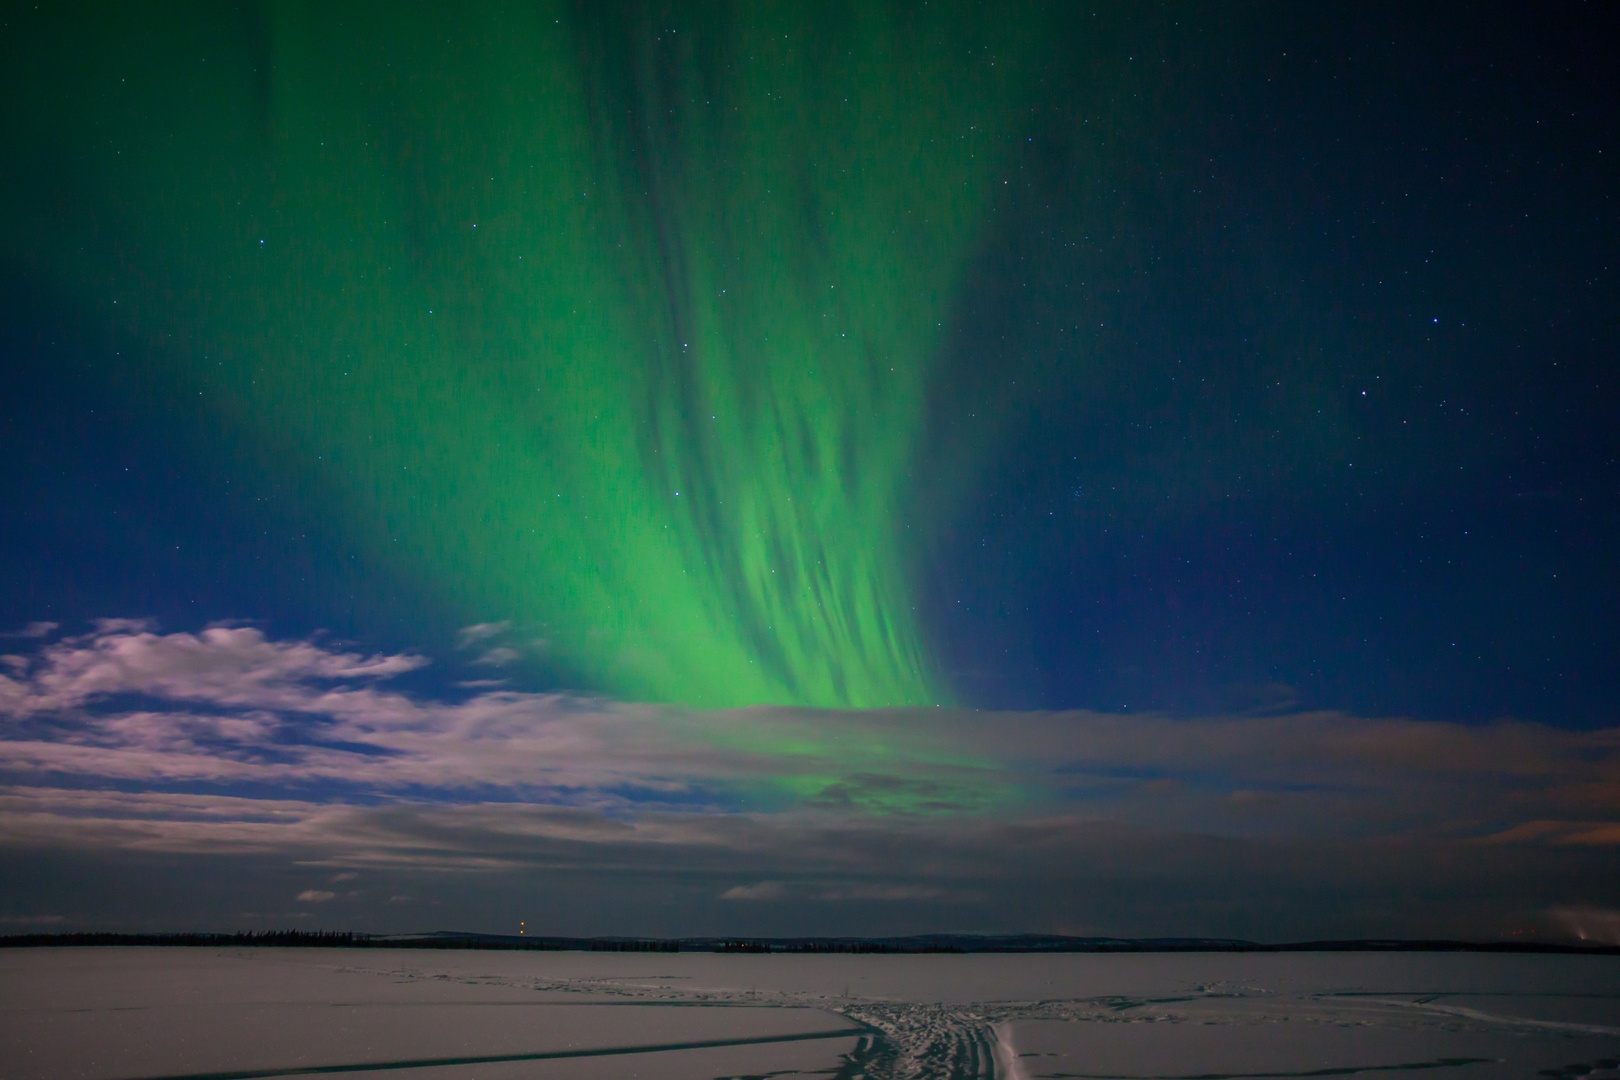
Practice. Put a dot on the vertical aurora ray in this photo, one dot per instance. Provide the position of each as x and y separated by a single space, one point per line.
617 322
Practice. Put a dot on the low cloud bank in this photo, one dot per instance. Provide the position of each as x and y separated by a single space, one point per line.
226 744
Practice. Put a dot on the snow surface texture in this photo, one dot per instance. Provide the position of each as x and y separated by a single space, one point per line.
119 1014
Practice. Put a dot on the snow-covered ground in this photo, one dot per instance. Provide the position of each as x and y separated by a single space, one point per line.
117 1014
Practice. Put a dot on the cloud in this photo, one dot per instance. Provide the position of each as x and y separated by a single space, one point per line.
315 896
889 893
32 630
228 707
1600 925
468 636
1058 871
776 890
222 666
763 890
225 744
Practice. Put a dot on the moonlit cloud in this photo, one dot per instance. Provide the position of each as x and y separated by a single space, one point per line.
761 890
222 666
229 744
468 636
1600 925
32 630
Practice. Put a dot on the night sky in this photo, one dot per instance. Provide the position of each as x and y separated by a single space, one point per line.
798 468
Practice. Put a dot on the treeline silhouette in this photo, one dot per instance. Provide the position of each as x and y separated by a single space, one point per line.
924 943
302 939
343 939
822 945
530 944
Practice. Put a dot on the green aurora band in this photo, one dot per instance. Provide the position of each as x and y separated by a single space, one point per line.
612 322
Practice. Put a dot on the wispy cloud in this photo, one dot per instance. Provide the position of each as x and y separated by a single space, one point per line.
760 890
32 630
469 636
1591 924
222 666
228 743
229 707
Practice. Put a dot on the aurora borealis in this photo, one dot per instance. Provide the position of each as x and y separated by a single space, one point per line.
598 327
899 464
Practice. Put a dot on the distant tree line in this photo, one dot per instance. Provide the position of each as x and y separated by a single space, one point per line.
611 945
943 943
824 945
301 939
340 939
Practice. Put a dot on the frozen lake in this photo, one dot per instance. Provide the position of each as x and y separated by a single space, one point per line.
120 1014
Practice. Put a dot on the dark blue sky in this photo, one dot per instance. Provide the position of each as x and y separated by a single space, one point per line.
1292 340
1315 400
